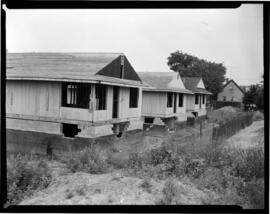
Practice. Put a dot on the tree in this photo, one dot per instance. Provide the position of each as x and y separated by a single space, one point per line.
255 95
213 74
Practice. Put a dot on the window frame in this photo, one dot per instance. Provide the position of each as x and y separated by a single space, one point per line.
103 93
133 97
78 97
169 101
196 99
180 98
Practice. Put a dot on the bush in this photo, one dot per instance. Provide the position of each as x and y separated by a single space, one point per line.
248 163
161 163
87 160
258 116
25 175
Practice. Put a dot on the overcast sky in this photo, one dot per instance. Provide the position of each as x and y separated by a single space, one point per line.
147 37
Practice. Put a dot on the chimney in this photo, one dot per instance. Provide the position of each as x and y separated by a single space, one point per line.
122 66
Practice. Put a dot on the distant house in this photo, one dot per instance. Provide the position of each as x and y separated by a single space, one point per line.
231 94
196 103
165 99
72 94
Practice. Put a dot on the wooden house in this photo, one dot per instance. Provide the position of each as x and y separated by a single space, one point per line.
165 98
72 94
231 94
196 103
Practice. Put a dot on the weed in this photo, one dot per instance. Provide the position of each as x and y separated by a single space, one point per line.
88 160
25 174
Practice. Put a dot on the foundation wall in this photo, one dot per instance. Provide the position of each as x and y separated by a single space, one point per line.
33 125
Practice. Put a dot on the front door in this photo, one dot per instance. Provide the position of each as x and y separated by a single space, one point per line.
115 102
200 100
175 104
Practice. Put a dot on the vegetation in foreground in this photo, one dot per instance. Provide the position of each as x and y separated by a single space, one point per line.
25 175
235 176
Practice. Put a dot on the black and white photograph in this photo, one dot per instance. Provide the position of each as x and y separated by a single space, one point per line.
135 106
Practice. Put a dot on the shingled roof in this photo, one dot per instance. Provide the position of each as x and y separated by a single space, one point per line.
191 84
159 81
78 67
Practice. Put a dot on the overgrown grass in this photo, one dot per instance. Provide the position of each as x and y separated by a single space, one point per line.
25 174
236 175
87 160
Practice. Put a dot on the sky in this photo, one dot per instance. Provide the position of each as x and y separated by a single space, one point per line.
233 37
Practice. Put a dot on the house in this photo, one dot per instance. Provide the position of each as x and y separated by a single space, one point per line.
72 94
231 94
165 100
196 102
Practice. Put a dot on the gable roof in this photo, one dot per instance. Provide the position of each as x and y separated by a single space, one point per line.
241 89
191 83
80 67
159 81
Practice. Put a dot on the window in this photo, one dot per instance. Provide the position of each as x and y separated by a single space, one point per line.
196 99
180 100
76 95
232 99
101 95
224 98
203 100
169 99
133 97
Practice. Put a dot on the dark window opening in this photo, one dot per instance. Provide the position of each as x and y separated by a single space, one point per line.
180 100
101 95
76 95
149 120
224 98
203 101
133 97
169 99
196 99
70 130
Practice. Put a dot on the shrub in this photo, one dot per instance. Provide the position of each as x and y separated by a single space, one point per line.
248 163
255 193
25 175
87 160
169 192
146 184
258 116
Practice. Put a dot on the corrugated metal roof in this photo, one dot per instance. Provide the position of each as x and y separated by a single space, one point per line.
191 84
159 81
62 67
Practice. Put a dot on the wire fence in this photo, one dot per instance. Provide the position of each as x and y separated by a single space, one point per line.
230 127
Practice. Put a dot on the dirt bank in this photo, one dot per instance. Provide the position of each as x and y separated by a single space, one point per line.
111 188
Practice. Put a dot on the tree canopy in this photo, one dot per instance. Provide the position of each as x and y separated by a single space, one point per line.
255 95
212 73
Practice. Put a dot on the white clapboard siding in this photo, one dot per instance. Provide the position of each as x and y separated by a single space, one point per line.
33 98
154 103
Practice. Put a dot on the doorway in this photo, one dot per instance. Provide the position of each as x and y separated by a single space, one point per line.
115 102
200 100
174 104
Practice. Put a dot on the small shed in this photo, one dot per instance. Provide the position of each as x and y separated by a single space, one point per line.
72 94
196 103
165 98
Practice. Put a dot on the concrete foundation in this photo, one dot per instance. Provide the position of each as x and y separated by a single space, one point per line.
33 125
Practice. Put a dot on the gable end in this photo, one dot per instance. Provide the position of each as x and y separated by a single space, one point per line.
114 70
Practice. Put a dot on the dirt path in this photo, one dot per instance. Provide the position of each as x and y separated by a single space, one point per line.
248 137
